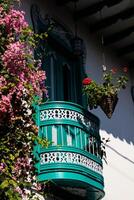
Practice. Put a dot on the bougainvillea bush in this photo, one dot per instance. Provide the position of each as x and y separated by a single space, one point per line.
21 81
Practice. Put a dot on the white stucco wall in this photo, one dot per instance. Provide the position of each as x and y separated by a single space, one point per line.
119 172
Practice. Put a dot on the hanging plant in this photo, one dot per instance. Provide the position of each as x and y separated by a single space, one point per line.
105 94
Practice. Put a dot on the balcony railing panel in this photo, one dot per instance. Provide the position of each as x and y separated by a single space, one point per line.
69 125
65 135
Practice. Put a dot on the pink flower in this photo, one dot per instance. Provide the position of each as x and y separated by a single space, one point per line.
24 77
5 104
14 57
18 189
14 21
5 100
2 167
3 81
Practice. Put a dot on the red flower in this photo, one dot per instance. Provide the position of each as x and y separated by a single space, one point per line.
114 70
86 81
125 69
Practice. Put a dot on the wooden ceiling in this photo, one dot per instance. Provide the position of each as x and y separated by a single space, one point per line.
113 18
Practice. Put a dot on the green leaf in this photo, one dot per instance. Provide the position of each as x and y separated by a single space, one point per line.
13 195
11 157
12 182
4 184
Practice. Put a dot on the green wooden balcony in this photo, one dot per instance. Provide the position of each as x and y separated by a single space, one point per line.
73 159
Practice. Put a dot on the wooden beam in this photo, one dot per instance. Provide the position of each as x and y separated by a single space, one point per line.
118 36
131 63
95 8
63 2
125 14
126 50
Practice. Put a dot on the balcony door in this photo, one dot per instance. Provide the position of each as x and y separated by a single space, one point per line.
63 76
63 70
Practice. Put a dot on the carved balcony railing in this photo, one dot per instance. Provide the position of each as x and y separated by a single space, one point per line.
73 158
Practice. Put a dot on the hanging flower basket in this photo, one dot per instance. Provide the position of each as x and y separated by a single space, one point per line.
108 104
104 94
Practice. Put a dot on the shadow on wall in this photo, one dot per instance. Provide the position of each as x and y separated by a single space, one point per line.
121 125
120 154
118 147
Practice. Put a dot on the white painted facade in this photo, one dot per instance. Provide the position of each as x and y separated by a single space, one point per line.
119 172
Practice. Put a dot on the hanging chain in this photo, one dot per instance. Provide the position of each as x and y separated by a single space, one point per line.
75 20
102 44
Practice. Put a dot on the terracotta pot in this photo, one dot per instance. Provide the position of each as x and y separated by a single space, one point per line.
108 104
